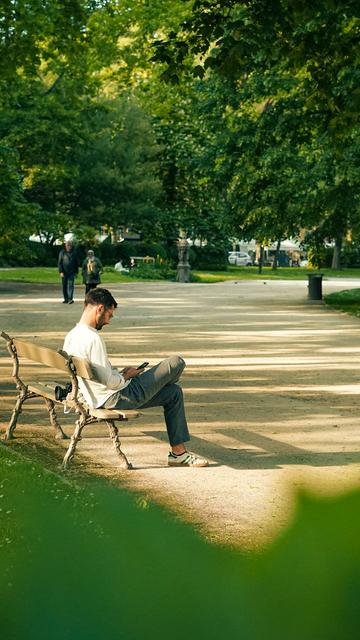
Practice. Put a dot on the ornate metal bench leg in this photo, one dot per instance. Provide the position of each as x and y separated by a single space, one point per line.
60 435
114 434
9 435
76 436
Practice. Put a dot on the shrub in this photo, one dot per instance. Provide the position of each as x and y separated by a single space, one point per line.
208 258
350 255
153 272
30 254
109 253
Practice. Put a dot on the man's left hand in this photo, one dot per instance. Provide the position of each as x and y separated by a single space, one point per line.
130 372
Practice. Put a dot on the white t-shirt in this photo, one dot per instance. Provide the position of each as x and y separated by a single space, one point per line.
85 342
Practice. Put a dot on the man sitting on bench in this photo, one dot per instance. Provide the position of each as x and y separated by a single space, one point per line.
131 388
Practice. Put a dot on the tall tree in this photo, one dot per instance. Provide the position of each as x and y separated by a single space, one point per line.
14 210
297 69
41 45
118 168
58 57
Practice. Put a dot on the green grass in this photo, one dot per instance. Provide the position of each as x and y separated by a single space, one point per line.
347 301
43 275
283 273
49 275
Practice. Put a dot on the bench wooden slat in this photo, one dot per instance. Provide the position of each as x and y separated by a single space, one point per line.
105 414
52 358
83 366
43 390
44 355
111 414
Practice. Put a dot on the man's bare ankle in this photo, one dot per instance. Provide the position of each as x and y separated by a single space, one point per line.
178 449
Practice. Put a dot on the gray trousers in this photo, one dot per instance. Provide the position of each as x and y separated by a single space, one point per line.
157 387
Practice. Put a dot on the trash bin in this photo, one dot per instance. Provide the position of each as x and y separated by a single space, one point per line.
315 286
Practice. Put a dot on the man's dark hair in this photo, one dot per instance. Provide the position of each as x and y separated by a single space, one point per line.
100 296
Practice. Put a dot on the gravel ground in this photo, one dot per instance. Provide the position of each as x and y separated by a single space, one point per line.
271 389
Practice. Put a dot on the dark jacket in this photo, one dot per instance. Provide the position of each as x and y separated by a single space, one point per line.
68 262
91 269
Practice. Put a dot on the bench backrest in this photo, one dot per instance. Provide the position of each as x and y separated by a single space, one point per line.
51 358
46 356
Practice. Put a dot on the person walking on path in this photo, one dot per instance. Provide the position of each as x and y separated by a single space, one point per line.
131 388
68 268
91 270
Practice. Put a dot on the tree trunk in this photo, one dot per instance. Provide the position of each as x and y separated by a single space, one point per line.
261 259
336 253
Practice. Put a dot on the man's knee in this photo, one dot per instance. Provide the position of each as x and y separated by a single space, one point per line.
177 363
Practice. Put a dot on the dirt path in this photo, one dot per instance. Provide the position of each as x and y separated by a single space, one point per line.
271 386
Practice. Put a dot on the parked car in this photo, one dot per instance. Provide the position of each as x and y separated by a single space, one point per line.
240 259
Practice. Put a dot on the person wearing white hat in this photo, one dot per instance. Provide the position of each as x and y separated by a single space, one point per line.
68 267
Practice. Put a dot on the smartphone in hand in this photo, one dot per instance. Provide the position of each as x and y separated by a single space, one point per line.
143 365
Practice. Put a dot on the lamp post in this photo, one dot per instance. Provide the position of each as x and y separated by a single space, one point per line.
183 267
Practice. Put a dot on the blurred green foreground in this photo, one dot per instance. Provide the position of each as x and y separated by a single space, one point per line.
86 561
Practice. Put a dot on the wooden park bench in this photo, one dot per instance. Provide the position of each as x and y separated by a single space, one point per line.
72 367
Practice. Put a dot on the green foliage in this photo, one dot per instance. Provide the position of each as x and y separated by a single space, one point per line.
81 158
41 47
118 164
13 208
109 253
152 272
35 254
295 72
46 30
186 120
261 140
350 256
208 257
101 563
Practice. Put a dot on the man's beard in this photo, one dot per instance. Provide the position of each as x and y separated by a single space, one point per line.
99 322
